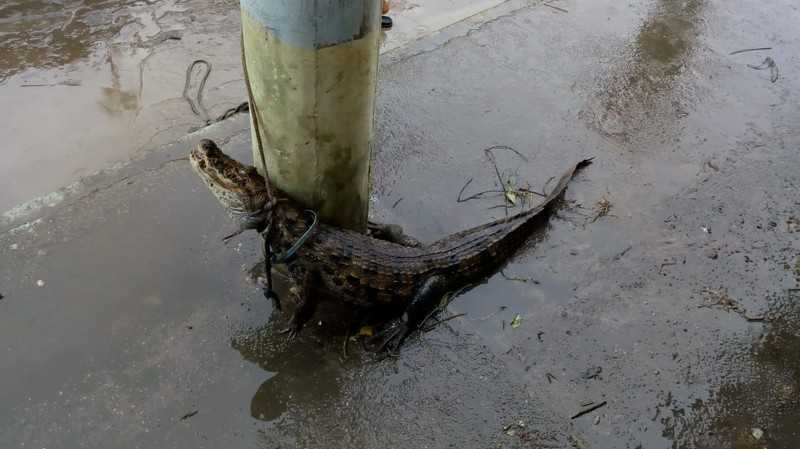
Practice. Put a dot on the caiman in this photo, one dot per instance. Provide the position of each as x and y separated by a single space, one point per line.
358 268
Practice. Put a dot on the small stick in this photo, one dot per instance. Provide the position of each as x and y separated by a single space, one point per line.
748 49
474 196
505 147
555 7
189 415
527 190
588 410
499 178
430 328
665 264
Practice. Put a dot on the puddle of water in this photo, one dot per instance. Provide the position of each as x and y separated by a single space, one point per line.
93 82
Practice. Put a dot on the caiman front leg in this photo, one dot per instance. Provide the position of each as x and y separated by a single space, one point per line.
267 290
391 233
306 304
426 298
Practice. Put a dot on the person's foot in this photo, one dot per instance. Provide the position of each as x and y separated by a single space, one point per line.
386 21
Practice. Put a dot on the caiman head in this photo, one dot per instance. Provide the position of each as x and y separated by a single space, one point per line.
241 190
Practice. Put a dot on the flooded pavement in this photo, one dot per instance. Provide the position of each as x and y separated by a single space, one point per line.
665 288
94 83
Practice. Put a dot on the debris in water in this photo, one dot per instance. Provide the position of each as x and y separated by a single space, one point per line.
724 301
592 373
749 49
516 321
720 298
555 7
189 415
438 321
40 283
511 196
13 247
768 63
510 429
757 433
601 208
588 410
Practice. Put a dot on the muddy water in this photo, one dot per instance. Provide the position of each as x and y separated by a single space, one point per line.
94 82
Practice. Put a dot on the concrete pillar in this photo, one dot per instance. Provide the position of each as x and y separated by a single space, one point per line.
312 66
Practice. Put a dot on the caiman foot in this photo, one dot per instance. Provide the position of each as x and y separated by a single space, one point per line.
391 233
426 299
305 305
291 331
390 340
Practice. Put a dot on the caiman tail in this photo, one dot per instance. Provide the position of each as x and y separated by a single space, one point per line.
468 256
478 250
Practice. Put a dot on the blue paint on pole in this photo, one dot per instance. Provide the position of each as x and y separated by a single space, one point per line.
314 23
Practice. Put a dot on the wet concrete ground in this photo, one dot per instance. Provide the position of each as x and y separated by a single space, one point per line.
678 308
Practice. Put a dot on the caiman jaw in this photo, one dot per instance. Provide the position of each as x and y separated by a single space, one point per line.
238 187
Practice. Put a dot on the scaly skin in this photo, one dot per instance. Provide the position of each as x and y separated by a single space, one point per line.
358 268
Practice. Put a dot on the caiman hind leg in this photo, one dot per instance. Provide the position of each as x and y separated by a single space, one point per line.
391 233
306 304
426 299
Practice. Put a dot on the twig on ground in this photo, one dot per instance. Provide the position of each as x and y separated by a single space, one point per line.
588 410
189 415
555 7
745 50
438 322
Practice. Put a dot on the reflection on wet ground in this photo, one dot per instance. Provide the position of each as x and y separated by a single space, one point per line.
637 92
309 371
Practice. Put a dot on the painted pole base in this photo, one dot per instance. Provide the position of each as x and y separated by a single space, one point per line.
312 66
